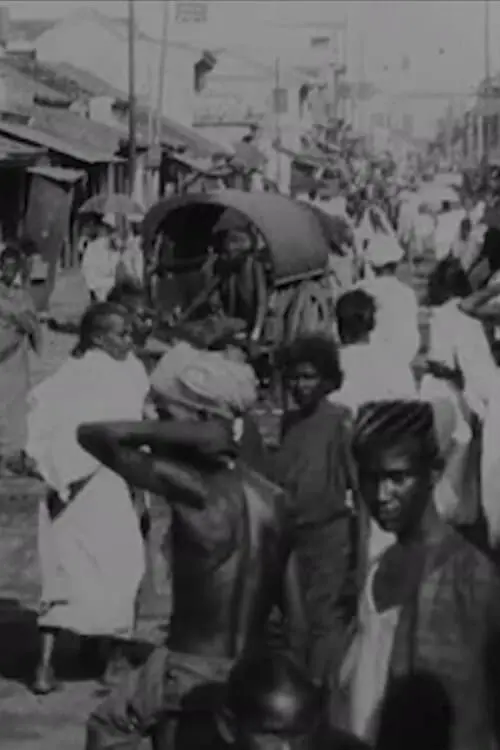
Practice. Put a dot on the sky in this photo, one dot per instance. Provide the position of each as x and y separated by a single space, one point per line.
442 39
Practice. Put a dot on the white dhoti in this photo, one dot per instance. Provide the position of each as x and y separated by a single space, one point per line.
92 560
91 550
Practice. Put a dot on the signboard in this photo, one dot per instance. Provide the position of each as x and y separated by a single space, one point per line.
191 11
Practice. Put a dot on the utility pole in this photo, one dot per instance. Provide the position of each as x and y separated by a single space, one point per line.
277 108
487 82
337 64
344 59
162 71
361 83
132 123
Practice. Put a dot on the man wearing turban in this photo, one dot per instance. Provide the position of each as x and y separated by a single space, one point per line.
431 602
235 384
230 539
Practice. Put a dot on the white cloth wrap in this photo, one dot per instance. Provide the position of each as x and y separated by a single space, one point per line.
91 555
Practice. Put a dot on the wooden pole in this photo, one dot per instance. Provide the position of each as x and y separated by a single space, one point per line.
345 63
487 80
162 69
132 120
360 101
277 88
151 112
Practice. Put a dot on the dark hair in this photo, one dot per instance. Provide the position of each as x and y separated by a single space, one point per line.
407 425
255 683
94 320
124 290
318 350
447 280
355 311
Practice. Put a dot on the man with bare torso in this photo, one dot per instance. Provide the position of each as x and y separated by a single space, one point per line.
230 542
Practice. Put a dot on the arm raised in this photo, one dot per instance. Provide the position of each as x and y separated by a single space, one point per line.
143 453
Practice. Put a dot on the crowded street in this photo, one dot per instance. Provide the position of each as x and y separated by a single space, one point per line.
249 377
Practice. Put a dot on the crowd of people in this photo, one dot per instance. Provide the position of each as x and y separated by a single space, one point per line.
338 591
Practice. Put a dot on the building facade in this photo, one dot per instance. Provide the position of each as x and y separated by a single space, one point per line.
71 39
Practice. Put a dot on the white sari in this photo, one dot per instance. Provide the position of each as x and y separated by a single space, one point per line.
91 553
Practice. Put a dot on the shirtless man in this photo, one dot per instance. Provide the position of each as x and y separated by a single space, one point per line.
230 540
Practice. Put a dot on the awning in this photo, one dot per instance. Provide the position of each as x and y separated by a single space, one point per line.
49 142
58 174
12 152
197 144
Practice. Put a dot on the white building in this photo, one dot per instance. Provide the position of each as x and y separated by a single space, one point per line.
98 44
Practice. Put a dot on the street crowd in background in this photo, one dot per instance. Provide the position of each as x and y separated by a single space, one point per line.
337 590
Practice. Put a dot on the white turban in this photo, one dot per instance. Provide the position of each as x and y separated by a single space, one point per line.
205 381
173 362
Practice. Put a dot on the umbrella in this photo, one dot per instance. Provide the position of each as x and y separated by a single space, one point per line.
114 203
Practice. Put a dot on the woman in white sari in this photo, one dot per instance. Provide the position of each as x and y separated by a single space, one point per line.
90 545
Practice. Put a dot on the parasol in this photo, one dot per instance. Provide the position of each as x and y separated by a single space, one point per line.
114 203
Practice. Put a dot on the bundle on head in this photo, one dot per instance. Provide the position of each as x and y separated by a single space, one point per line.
205 382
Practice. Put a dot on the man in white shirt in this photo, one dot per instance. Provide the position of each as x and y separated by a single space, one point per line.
371 373
397 327
101 259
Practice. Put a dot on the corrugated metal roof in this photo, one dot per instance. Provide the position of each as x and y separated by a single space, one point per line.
65 82
59 174
32 134
64 78
10 149
80 131
89 84
23 84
